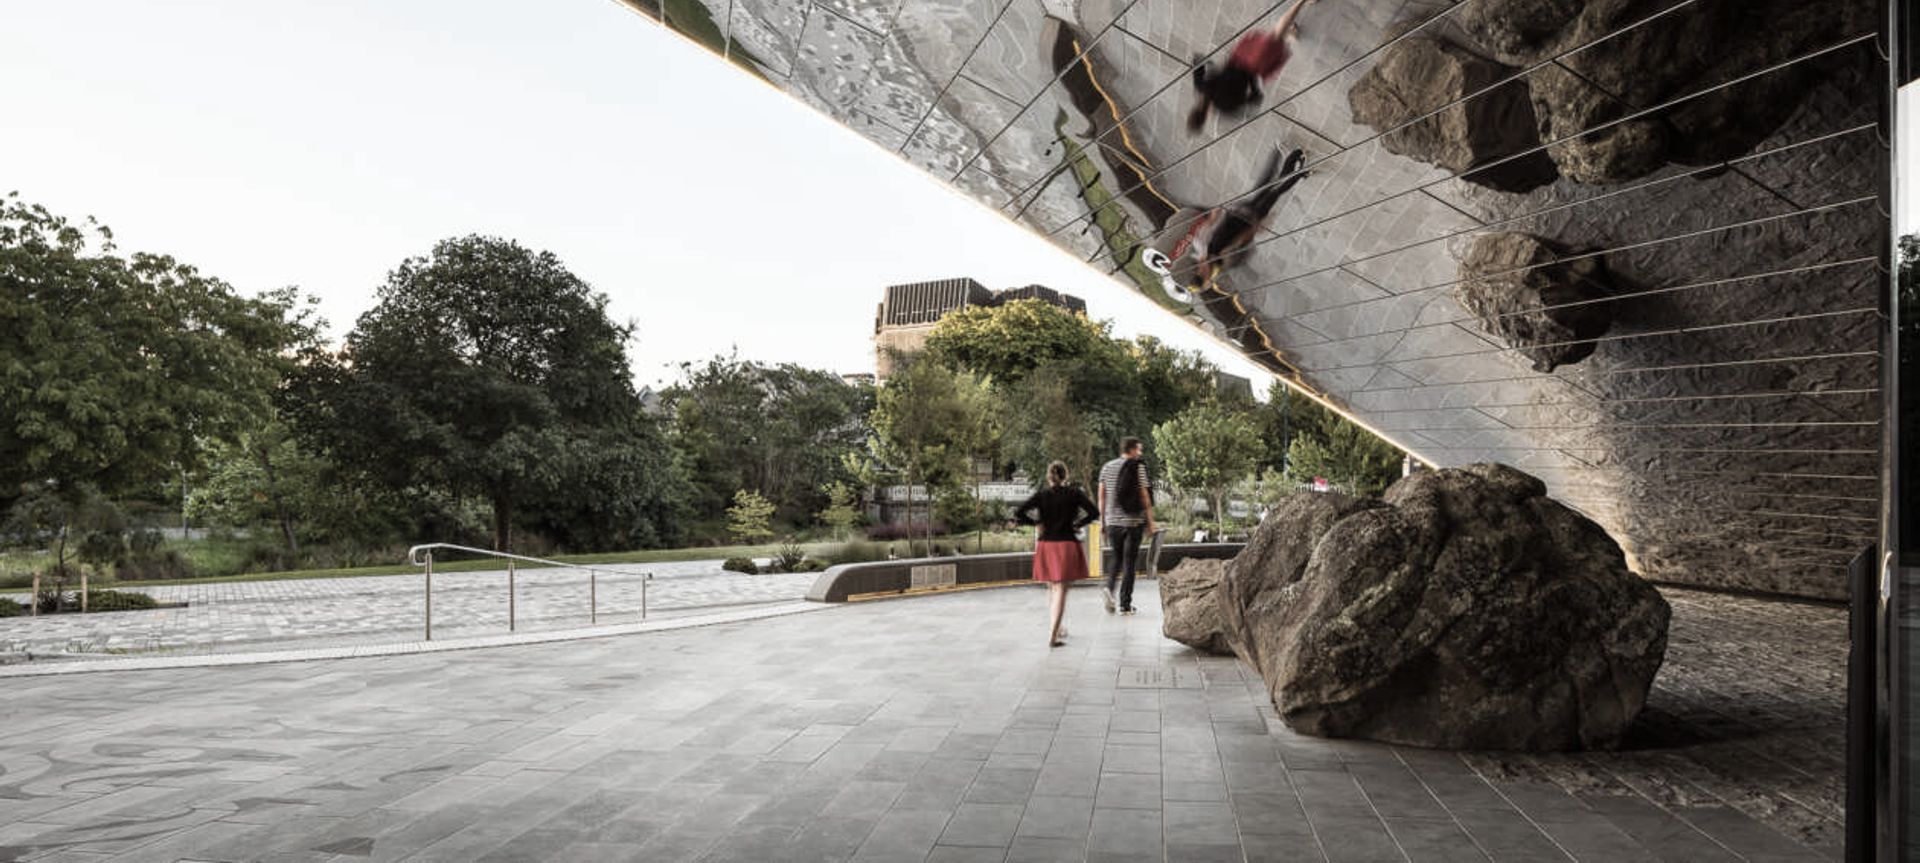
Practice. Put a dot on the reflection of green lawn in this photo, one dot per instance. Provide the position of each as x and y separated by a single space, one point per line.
825 550
695 21
1111 219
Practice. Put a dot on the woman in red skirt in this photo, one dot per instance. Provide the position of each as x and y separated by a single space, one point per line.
1060 510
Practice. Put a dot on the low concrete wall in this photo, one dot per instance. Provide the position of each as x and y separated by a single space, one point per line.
929 574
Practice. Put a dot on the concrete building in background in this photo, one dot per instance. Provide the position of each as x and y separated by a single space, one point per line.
909 312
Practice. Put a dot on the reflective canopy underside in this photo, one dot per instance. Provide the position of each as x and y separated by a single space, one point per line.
1629 246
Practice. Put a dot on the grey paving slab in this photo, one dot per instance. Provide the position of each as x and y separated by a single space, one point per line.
854 735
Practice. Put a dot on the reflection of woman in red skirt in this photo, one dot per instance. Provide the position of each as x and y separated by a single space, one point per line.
1256 59
1060 510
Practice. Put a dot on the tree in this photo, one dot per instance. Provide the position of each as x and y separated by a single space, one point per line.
1208 448
487 369
748 518
783 431
1005 342
1349 456
112 369
843 508
924 424
1171 380
258 478
1049 425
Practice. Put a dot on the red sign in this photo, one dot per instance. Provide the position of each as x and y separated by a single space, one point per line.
1320 484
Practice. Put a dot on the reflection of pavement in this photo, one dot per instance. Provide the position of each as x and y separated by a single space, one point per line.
309 612
936 728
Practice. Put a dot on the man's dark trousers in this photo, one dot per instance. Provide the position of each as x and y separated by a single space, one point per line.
1123 561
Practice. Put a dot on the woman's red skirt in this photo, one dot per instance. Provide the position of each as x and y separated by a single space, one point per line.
1059 560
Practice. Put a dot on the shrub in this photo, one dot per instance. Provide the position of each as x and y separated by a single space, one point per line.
10 608
741 564
888 532
789 556
811 564
858 552
119 600
153 566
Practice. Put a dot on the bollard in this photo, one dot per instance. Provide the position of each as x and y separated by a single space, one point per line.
593 596
510 623
429 596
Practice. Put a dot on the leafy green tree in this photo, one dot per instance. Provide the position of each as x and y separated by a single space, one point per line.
1209 449
784 431
262 477
925 424
1005 342
113 369
1171 380
1349 456
1048 424
843 508
77 523
485 369
749 518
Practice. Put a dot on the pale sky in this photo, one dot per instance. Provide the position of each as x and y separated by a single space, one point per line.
317 144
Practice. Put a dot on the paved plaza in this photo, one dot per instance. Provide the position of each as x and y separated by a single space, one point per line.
306 613
934 728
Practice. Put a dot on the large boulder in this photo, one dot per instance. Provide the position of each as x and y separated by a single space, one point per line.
1415 94
1464 610
1190 611
1524 295
1684 63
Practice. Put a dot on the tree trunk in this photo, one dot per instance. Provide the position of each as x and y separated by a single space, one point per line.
1220 512
502 521
909 530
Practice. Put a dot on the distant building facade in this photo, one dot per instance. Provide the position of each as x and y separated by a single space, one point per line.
908 312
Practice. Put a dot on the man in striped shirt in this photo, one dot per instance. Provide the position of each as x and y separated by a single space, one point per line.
1125 520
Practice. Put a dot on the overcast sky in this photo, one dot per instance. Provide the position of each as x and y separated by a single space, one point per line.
317 144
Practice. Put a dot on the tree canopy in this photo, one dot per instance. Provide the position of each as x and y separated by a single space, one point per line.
781 430
1209 449
487 368
113 369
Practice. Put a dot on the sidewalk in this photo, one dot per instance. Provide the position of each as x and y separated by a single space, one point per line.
303 613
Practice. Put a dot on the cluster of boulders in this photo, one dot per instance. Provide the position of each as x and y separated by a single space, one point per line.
1613 90
1463 610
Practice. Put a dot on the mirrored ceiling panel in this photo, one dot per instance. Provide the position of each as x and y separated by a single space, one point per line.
1629 245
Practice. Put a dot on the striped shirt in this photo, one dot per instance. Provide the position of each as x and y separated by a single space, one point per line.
1113 514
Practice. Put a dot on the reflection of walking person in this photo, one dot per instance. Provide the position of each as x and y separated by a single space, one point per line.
1060 510
1214 239
1256 58
1126 513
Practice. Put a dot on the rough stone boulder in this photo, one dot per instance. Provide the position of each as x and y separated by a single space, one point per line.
1190 610
1684 63
1517 287
1464 610
1404 93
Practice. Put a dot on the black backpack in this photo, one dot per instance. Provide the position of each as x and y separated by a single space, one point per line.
1129 487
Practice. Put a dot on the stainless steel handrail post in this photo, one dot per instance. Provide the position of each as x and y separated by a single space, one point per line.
429 596
510 597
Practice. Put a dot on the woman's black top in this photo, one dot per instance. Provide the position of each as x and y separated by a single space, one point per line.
1062 510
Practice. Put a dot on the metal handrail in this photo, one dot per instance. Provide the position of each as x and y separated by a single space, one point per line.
422 556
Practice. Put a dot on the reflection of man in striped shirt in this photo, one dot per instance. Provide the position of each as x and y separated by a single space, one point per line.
1125 523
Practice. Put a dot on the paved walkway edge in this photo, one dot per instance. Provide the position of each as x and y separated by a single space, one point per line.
153 663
